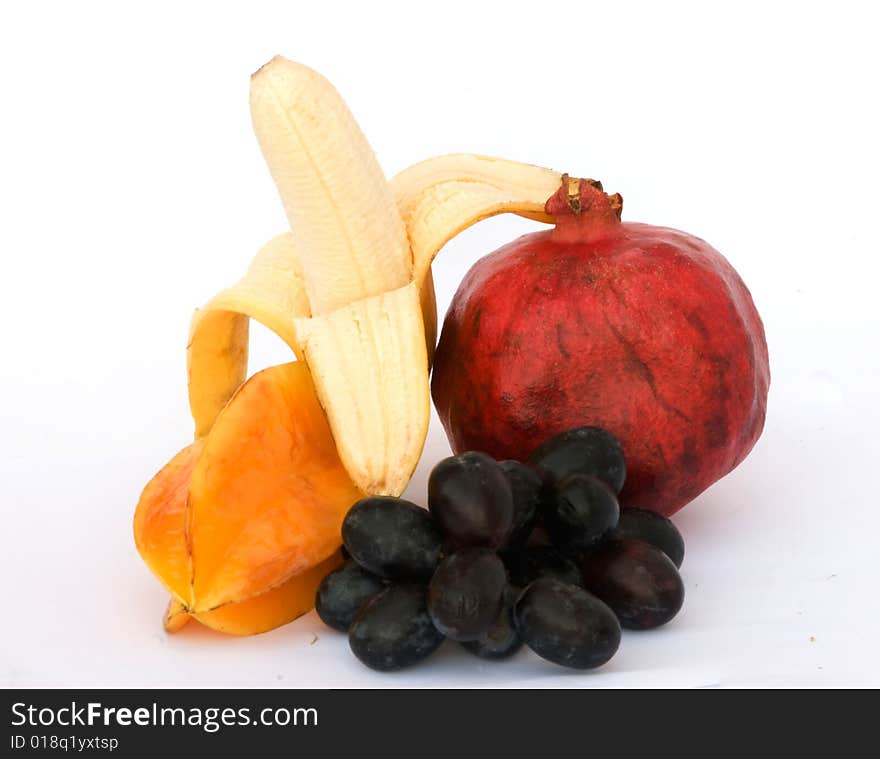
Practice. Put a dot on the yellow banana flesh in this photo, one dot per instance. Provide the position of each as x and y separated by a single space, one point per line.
370 368
351 238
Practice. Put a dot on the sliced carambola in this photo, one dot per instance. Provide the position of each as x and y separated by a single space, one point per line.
242 525
260 613
268 493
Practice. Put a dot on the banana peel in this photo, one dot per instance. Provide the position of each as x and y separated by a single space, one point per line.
441 197
272 292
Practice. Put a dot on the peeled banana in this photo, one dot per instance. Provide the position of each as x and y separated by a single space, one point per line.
349 287
342 216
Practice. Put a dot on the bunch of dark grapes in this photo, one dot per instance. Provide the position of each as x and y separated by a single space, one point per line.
508 553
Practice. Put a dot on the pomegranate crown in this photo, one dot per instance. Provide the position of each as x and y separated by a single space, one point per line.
584 199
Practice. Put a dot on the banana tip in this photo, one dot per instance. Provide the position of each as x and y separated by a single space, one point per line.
275 59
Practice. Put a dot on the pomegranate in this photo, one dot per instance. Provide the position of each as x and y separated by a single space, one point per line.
645 331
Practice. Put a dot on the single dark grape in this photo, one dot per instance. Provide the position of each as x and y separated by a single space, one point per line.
342 594
539 536
566 625
502 640
527 489
393 629
637 580
471 499
525 565
581 513
653 528
392 538
587 450
466 593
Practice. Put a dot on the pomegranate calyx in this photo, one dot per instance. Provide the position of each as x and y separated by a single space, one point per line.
584 201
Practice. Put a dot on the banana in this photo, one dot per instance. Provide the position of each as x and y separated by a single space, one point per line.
273 293
341 213
369 365
364 339
349 286
440 197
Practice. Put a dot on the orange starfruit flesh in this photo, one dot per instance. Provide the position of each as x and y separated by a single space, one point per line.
261 613
268 493
242 525
175 617
159 520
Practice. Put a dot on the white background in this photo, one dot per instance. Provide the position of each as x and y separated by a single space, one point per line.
132 189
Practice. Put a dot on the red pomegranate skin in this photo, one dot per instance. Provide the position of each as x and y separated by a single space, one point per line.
645 331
